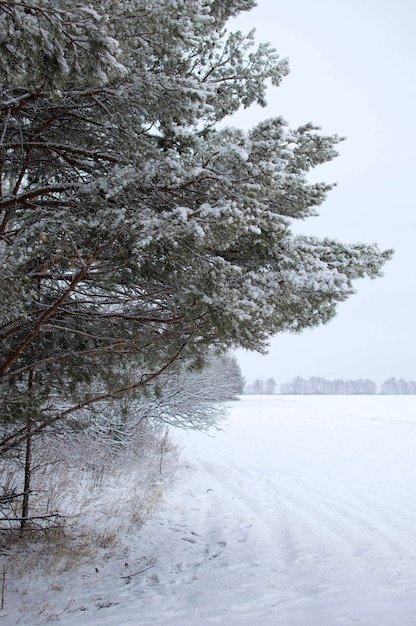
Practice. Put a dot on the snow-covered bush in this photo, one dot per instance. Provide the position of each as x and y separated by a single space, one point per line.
83 481
117 457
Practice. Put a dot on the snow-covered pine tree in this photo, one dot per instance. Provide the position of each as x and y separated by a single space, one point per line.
133 229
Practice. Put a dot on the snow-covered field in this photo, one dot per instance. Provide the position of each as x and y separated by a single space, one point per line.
300 512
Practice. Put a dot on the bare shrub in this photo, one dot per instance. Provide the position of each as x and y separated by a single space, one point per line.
83 480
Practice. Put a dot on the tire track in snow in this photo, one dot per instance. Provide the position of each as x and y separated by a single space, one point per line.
312 526
288 517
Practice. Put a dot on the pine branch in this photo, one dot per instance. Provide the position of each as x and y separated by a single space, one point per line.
17 438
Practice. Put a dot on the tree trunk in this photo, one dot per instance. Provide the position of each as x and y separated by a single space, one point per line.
28 462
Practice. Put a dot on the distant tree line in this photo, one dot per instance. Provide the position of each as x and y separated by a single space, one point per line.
321 386
393 386
267 387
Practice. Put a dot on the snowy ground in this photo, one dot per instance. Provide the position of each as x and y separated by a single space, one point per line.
301 512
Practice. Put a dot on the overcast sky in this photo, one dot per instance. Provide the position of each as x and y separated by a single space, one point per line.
352 73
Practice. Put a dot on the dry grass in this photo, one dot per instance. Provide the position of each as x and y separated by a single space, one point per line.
98 495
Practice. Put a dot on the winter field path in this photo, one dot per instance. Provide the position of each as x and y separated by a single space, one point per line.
300 512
